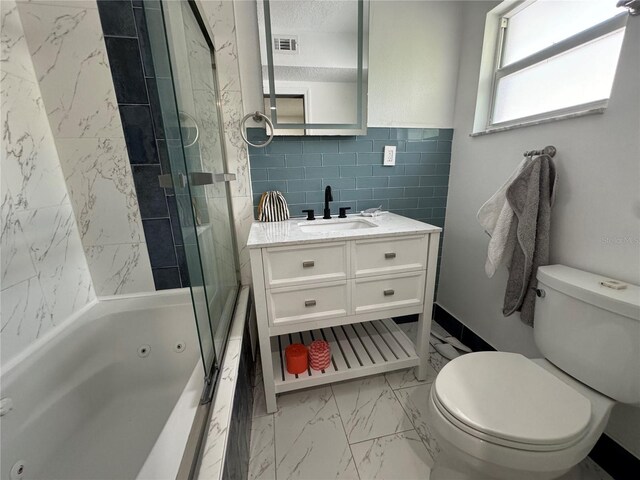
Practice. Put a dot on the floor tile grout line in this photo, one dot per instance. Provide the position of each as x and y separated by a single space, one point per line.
412 429
413 386
275 452
412 423
355 464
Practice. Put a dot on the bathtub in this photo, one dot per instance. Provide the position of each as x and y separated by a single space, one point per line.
111 394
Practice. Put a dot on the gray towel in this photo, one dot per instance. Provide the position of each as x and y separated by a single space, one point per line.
531 196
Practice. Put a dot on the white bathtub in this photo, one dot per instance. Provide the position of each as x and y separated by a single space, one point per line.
88 403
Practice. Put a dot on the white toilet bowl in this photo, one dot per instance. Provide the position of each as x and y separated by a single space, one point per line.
499 415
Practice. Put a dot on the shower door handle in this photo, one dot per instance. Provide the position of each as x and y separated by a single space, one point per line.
225 177
168 181
206 178
201 178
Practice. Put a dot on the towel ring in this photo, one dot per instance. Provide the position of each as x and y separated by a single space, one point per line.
186 115
257 117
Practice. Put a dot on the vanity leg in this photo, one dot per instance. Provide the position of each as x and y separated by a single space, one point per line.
422 344
424 320
267 374
260 301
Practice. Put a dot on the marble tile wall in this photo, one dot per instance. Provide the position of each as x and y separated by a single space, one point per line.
68 53
45 277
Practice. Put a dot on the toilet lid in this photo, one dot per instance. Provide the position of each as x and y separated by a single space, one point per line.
506 395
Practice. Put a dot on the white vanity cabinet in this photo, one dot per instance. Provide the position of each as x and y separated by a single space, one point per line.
342 287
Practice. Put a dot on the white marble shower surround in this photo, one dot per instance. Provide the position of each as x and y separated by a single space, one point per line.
219 19
69 56
45 277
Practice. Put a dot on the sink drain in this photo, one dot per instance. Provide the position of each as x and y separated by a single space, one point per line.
179 347
143 351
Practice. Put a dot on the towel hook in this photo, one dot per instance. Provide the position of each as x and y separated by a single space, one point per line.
257 117
549 150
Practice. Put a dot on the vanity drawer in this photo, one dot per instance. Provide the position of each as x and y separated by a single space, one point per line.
389 291
391 255
308 303
301 264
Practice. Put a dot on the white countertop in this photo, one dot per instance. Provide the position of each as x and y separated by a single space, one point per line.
288 232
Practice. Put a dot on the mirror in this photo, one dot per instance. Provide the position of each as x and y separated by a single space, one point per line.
314 65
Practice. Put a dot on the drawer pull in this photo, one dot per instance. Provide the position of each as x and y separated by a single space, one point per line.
309 303
308 264
388 293
389 255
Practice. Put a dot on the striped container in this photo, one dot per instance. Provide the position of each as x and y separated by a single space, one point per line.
319 355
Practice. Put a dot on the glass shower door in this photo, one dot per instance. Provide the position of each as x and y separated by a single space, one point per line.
183 58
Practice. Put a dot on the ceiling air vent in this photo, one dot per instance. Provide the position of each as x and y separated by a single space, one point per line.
285 44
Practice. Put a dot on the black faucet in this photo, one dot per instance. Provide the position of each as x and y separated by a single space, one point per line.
327 198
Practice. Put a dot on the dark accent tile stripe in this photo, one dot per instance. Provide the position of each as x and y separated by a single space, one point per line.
136 81
614 459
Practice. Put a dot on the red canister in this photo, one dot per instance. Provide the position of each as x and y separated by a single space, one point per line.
319 355
296 358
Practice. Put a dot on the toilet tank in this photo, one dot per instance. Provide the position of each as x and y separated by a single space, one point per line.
590 331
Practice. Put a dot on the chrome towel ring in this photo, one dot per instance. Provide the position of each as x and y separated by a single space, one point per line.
189 117
257 117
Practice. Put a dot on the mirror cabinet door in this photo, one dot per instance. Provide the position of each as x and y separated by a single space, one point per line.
314 65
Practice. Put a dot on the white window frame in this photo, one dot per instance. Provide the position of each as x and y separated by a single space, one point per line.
491 70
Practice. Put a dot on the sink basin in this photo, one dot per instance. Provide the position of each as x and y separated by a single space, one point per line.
318 226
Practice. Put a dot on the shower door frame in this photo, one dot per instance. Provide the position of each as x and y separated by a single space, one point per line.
195 441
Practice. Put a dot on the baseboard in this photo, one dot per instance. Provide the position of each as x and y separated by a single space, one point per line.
452 325
614 459
607 453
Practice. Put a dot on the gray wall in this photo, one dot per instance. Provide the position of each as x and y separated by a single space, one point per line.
596 218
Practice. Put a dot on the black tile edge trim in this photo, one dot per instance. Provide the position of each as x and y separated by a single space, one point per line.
456 328
607 453
614 459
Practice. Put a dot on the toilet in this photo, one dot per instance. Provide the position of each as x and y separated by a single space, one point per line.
499 415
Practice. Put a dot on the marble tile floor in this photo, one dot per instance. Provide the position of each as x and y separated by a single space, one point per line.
370 428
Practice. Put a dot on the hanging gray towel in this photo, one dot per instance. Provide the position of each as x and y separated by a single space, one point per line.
531 195
273 207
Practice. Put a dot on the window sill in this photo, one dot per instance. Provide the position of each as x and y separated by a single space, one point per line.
530 123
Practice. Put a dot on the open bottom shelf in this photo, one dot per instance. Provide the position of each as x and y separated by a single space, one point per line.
357 350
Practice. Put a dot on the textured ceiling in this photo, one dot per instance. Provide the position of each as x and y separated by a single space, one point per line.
328 16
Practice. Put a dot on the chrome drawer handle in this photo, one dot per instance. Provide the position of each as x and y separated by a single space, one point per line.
388 293
308 264
389 255
309 303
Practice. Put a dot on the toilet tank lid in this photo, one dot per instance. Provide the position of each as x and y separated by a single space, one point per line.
586 286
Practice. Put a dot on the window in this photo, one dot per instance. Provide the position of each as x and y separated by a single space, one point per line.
550 58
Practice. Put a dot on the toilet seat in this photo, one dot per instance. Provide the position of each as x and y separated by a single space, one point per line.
507 399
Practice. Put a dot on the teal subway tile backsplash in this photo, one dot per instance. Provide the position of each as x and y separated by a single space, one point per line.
362 146
301 167
309 160
368 182
339 183
404 181
320 146
286 173
356 172
321 172
338 159
311 185
427 146
361 194
370 158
